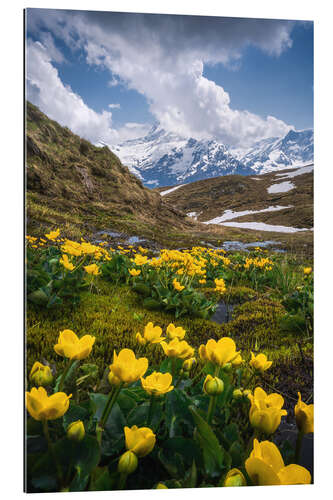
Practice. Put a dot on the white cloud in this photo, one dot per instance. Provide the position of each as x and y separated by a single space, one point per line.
46 90
58 101
162 57
114 106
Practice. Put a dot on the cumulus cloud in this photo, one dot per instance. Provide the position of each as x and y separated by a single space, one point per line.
163 57
114 106
58 101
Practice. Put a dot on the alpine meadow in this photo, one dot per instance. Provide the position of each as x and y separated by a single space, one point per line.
169 284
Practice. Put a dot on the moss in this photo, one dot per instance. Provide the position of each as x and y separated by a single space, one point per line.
113 316
234 294
255 324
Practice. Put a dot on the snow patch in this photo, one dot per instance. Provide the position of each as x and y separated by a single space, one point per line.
163 193
230 214
261 226
282 187
300 171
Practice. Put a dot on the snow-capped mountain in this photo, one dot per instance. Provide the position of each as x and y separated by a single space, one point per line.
276 153
163 158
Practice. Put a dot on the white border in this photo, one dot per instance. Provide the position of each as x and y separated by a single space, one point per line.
11 228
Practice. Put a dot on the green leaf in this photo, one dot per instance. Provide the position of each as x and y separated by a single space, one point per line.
68 376
213 453
46 483
74 413
177 412
82 456
190 480
151 304
178 454
102 480
142 289
116 420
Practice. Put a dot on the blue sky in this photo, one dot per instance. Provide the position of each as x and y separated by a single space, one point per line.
236 80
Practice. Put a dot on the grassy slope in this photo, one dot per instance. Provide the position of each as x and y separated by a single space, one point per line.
82 188
211 197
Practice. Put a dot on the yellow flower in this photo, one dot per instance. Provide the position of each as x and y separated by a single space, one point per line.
134 272
173 331
76 431
307 270
142 250
88 248
70 346
177 349
65 262
157 384
41 374
92 269
265 412
53 235
202 282
304 416
234 478
237 361
72 248
126 367
140 260
44 407
220 285
213 386
265 467
140 441
177 286
260 362
220 353
151 334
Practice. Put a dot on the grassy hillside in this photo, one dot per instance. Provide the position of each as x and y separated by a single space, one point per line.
72 183
211 197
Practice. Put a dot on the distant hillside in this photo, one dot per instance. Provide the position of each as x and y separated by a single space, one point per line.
82 187
283 198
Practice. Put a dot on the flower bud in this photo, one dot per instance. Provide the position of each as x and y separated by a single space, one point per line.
237 394
161 486
41 375
188 364
127 463
234 478
76 431
246 393
213 386
227 368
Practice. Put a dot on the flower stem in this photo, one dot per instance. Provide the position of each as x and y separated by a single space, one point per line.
173 367
106 412
251 377
179 379
122 481
151 406
298 446
64 373
198 375
51 450
211 409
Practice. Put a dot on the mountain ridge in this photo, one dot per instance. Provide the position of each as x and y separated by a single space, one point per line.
163 158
